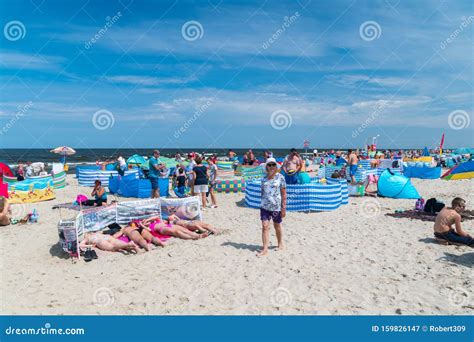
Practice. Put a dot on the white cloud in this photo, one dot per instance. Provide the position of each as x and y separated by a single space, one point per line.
146 80
16 60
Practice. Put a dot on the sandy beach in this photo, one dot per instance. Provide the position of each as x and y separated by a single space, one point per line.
341 262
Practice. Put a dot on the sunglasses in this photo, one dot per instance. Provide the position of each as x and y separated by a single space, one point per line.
271 164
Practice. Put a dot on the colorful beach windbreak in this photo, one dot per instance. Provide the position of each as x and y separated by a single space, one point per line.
462 171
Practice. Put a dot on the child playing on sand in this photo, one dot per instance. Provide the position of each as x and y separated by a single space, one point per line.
448 217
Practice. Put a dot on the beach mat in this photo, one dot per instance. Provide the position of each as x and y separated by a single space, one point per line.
424 216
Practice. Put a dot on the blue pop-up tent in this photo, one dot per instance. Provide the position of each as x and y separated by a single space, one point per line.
396 186
133 186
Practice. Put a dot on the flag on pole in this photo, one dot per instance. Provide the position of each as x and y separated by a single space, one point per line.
441 145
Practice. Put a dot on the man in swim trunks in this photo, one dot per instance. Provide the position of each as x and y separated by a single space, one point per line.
448 217
352 161
292 166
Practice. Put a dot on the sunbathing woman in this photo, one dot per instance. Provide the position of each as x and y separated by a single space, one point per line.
106 243
193 225
155 224
138 234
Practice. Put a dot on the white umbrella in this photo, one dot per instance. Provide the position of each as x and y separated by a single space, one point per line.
64 150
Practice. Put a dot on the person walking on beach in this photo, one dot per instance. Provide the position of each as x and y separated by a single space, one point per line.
212 181
448 217
155 166
273 204
122 165
352 161
201 180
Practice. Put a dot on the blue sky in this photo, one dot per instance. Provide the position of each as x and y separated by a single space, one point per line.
251 74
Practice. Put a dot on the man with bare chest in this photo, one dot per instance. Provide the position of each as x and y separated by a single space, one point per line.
448 217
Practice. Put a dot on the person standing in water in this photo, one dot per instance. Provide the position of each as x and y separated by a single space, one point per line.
273 204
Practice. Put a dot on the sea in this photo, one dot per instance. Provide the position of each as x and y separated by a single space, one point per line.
86 156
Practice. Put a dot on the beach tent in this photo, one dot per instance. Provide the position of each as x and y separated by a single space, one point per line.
462 171
422 172
396 186
131 185
426 153
137 160
464 150
5 170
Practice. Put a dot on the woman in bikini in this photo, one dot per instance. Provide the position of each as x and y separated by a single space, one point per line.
106 243
155 224
138 234
193 225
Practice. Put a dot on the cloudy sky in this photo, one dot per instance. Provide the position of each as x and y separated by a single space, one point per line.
133 73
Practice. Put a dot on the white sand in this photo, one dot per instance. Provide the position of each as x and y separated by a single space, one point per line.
335 263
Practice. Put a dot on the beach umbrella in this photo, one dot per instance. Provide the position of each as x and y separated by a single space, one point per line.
138 161
64 151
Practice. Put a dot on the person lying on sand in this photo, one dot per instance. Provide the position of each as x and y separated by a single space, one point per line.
193 225
5 214
448 217
106 243
155 224
138 234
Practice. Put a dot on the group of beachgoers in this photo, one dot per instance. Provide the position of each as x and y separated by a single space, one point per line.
201 179
140 234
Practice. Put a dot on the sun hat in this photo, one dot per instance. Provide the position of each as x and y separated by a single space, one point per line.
271 160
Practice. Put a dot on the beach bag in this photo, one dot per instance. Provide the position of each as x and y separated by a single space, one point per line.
420 204
433 206
81 199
